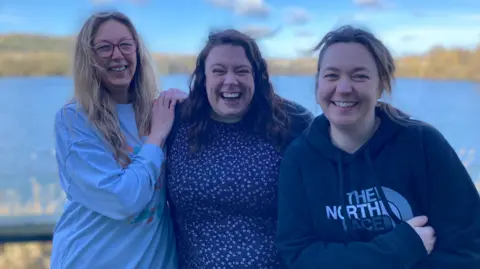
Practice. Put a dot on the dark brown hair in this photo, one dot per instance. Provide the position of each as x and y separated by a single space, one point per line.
381 55
266 115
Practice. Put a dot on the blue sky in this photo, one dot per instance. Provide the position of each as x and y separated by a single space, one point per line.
181 26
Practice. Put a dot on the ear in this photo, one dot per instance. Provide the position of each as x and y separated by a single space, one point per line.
380 90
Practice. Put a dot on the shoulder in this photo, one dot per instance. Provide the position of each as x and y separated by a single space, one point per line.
179 123
427 137
70 112
72 121
423 131
297 111
434 142
300 117
297 147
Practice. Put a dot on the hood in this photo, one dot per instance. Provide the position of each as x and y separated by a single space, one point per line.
319 138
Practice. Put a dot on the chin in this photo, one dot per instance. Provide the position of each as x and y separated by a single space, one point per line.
342 121
230 113
120 84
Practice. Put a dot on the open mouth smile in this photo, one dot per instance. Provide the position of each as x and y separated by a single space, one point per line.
344 104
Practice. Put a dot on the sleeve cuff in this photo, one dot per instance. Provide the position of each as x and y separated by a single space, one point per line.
409 244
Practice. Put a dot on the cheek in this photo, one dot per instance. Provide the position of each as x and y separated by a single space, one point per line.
322 92
212 82
248 82
99 63
133 61
368 93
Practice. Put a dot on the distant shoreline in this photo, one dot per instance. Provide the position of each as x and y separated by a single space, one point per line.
23 55
31 64
188 74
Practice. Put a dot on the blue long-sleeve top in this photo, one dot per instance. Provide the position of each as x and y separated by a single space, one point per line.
114 216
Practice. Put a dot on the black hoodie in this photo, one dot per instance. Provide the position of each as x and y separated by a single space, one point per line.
412 168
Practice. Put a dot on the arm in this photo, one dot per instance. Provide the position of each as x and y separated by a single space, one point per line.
301 248
453 206
91 176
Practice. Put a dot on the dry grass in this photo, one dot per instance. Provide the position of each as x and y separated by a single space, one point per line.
25 256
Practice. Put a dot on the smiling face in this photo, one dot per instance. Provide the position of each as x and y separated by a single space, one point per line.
115 52
229 82
348 85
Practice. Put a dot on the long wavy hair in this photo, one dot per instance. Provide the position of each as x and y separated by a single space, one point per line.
382 57
94 98
266 115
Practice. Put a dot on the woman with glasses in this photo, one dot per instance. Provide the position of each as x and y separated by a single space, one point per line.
109 142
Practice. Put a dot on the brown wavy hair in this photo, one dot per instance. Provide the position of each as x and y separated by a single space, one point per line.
266 115
382 57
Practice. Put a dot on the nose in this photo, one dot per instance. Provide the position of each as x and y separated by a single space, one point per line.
230 78
116 54
344 85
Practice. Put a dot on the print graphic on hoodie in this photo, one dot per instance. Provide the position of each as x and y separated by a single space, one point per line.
365 210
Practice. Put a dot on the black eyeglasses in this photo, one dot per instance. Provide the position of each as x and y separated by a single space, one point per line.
104 49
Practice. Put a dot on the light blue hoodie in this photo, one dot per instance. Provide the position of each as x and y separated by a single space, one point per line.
114 217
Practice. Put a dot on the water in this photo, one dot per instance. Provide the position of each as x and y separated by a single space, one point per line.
28 173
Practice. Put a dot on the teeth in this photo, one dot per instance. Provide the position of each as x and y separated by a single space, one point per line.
345 104
230 94
118 68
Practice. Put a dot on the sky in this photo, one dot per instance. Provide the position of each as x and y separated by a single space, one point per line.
284 28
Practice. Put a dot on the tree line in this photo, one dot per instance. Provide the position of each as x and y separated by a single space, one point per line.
33 55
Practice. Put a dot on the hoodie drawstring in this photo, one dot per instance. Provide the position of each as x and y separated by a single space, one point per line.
379 189
343 211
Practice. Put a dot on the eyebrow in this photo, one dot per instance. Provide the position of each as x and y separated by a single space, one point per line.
119 40
236 66
355 69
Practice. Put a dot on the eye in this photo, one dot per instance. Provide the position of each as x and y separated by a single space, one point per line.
243 71
104 47
330 76
218 71
126 45
360 77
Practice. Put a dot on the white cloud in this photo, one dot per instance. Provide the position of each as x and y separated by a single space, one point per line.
402 34
254 8
103 2
367 3
426 37
374 4
289 45
100 2
259 31
297 16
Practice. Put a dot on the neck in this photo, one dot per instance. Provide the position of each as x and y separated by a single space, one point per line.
352 138
219 118
120 97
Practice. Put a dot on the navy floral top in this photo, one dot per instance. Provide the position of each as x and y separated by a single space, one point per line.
224 198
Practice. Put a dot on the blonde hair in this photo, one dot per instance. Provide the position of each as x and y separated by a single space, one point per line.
95 100
383 60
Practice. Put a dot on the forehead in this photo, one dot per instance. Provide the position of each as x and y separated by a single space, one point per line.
112 31
227 55
345 56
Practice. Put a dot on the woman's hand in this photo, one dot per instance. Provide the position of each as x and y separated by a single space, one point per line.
163 114
426 233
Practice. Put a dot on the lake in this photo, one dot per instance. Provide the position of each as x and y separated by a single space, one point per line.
28 173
